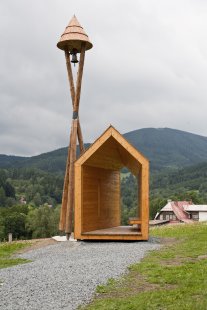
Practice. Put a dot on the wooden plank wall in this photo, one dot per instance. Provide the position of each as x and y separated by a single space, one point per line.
144 200
101 198
107 156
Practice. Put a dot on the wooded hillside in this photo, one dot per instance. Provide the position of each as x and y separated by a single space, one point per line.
38 181
165 148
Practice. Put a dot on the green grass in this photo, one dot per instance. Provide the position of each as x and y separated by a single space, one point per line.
174 277
9 249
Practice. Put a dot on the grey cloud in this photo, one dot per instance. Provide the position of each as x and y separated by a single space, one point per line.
148 68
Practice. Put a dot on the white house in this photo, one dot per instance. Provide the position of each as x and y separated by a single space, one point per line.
182 211
197 212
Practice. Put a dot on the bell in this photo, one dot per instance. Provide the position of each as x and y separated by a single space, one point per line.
74 59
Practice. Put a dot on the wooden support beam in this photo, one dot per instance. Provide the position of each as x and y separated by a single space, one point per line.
65 191
139 193
70 203
63 211
80 139
72 43
139 183
70 76
72 90
66 179
144 200
79 77
66 215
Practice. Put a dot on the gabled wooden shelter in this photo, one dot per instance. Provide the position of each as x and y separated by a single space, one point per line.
97 190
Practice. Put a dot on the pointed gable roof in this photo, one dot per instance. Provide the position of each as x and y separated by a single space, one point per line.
119 151
73 36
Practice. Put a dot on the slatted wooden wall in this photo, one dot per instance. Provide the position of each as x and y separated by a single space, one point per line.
101 198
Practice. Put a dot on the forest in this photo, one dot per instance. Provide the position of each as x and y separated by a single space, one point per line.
30 198
29 203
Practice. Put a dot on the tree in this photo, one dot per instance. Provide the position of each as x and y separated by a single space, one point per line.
12 220
2 197
156 204
9 190
2 229
15 223
42 222
37 199
3 177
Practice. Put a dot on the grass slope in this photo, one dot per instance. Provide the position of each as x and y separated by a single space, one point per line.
174 277
9 249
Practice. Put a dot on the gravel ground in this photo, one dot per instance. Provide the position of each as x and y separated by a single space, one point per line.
65 275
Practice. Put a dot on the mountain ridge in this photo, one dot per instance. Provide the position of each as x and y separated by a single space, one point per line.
164 147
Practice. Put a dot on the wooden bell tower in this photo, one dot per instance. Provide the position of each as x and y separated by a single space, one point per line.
74 41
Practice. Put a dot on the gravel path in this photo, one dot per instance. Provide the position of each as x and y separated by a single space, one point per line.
65 275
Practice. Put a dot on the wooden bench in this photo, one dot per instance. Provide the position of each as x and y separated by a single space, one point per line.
134 221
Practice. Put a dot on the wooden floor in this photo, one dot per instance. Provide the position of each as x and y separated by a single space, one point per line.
119 230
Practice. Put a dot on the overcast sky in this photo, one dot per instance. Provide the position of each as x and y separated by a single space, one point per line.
147 68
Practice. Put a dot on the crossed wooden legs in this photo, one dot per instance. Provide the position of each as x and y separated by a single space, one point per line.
67 208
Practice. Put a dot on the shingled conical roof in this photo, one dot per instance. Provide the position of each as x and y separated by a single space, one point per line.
73 36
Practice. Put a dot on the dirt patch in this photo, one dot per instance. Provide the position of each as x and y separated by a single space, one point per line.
169 241
138 283
131 285
37 244
202 256
173 262
178 261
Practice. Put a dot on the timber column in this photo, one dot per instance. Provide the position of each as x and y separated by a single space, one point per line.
73 41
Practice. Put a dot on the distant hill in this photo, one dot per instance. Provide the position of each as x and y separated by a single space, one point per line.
165 148
10 160
53 161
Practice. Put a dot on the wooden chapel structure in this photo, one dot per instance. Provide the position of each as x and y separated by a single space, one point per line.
91 194
97 190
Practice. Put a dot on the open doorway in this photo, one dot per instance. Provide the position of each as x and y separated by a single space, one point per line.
129 196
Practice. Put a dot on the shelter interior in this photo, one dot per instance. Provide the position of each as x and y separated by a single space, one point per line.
101 197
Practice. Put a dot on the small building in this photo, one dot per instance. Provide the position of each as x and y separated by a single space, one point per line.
197 212
97 190
22 201
182 211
